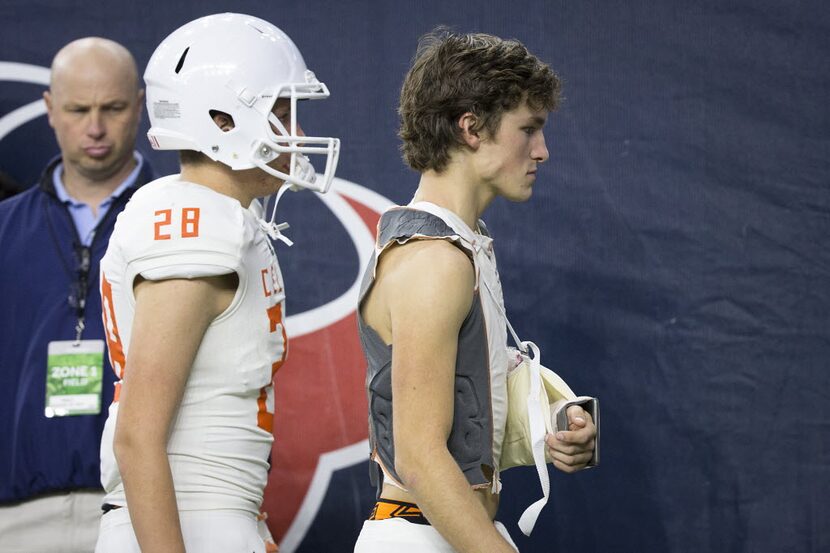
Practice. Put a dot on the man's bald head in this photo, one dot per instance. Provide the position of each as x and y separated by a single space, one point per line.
94 104
99 54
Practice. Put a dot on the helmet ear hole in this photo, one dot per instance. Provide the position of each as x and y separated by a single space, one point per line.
181 60
222 120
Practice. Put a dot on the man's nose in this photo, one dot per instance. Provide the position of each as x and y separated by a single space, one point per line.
95 125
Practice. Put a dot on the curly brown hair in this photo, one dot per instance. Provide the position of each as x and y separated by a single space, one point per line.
453 74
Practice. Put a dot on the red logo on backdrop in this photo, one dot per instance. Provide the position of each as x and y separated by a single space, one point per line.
320 404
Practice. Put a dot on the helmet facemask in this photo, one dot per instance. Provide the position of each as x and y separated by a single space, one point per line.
278 140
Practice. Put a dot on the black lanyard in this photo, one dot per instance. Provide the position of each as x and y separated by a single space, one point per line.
79 277
83 255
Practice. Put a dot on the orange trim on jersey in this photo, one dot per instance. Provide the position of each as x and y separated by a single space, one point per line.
265 289
116 350
264 419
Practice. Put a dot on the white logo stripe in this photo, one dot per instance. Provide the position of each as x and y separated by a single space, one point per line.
22 72
21 116
327 314
356 453
363 195
328 463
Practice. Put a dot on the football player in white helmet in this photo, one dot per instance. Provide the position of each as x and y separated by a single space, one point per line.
192 293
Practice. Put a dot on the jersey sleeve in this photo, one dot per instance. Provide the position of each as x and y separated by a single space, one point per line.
176 229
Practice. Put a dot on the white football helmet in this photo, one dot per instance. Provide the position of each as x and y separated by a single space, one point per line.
239 65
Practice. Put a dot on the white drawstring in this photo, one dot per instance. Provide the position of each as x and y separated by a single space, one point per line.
272 229
536 423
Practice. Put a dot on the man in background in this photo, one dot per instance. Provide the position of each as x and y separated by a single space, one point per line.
54 380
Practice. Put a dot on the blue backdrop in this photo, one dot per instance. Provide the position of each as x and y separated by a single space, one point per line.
673 260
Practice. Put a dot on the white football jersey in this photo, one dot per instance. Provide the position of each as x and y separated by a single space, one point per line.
221 437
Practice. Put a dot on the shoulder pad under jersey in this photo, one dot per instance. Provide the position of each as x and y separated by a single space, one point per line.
177 229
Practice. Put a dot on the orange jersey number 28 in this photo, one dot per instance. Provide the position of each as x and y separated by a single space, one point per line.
189 223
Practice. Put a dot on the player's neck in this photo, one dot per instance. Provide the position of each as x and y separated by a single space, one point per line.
221 179
90 191
454 189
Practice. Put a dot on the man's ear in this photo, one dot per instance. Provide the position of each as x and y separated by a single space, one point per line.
222 120
140 103
47 99
469 134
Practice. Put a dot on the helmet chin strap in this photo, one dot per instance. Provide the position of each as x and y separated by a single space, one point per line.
301 169
272 229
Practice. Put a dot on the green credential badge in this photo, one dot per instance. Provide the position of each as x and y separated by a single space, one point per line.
74 377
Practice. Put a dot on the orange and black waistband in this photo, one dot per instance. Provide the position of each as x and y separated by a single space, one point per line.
390 508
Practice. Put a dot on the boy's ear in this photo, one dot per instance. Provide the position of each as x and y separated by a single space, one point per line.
469 134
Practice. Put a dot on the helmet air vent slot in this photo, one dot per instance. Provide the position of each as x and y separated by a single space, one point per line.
181 60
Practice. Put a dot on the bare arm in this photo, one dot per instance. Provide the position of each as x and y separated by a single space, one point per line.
170 321
429 291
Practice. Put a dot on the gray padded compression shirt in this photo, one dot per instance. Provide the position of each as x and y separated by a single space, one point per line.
471 440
